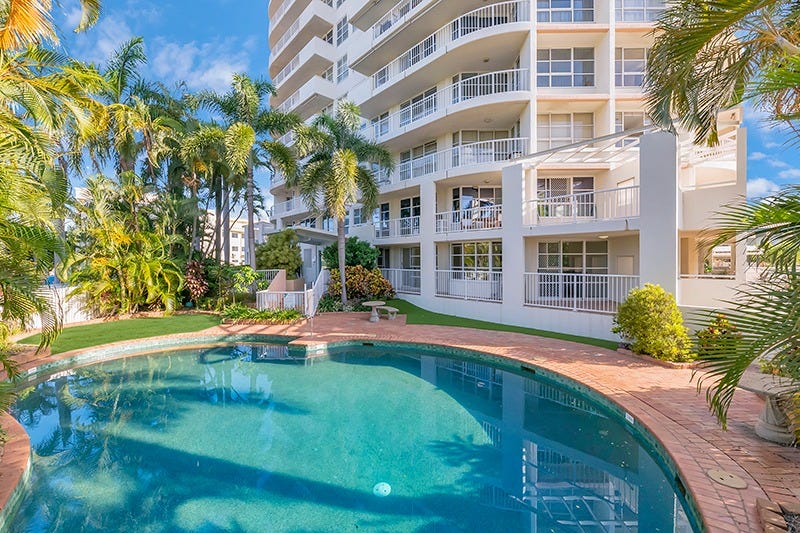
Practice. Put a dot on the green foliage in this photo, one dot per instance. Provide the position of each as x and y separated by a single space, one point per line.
280 252
362 283
225 283
650 320
718 337
332 304
356 252
273 316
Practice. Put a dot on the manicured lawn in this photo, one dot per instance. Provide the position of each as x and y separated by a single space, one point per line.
123 330
416 315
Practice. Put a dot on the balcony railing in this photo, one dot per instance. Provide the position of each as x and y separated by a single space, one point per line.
608 204
482 85
484 17
285 207
479 153
404 280
471 219
601 293
288 36
394 17
397 227
285 71
285 7
480 285
638 11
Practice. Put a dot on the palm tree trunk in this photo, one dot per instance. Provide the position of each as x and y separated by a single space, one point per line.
218 220
342 243
226 225
251 230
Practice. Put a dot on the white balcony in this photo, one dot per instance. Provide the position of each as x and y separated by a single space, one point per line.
404 280
315 94
478 218
478 285
293 206
315 20
397 228
601 293
473 158
315 57
286 13
496 97
486 38
584 207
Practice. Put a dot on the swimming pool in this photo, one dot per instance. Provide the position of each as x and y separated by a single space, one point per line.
244 438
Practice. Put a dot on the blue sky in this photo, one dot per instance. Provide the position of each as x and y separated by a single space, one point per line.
204 41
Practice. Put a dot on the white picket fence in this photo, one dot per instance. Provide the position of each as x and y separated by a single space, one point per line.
67 310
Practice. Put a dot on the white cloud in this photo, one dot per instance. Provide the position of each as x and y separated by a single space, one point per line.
757 156
791 173
97 44
777 163
760 187
208 65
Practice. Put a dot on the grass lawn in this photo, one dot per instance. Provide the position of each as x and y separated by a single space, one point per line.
416 315
123 330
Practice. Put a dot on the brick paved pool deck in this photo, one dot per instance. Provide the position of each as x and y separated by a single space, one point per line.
664 400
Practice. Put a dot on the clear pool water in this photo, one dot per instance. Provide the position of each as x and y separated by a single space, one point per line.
213 440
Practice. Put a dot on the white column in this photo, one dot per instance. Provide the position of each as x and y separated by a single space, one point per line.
427 246
659 200
513 243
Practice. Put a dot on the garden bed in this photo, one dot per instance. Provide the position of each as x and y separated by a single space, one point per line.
659 362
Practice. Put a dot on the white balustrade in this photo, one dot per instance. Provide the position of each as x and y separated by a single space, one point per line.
443 100
480 285
395 17
590 206
479 153
288 36
284 207
470 219
397 227
600 293
286 71
478 19
404 280
266 276
281 300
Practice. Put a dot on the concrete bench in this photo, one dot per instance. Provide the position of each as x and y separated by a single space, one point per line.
772 424
391 312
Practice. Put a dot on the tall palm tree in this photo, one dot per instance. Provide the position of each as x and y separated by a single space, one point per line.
710 55
338 172
249 122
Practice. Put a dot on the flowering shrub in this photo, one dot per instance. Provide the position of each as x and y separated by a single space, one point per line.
362 283
718 337
650 320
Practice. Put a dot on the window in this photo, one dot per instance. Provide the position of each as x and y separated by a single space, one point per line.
328 74
467 152
328 38
339 3
383 257
234 248
418 53
472 197
329 224
418 161
380 125
630 66
560 129
565 10
342 69
409 216
556 197
476 256
342 31
411 258
358 217
629 120
573 257
418 107
565 67
380 218
639 10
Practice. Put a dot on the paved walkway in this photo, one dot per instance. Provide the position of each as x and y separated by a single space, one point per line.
664 400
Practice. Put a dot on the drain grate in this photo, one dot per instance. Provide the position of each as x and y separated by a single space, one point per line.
727 479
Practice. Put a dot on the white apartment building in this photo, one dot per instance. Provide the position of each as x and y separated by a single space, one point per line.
528 188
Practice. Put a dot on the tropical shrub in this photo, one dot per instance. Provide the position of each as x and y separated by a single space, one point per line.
650 320
237 312
718 337
280 252
362 283
225 283
356 253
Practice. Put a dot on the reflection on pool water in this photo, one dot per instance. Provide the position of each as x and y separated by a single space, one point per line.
212 440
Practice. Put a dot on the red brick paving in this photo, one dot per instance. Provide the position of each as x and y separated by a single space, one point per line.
664 400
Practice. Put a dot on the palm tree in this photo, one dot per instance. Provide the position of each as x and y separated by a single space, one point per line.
338 170
710 55
248 123
27 22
